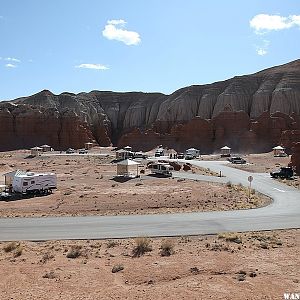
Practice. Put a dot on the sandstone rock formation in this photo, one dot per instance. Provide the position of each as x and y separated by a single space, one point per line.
295 159
248 112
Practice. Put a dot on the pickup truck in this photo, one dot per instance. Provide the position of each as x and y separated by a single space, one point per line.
237 160
283 173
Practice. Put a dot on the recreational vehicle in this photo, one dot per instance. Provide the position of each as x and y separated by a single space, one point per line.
191 153
159 152
34 183
161 168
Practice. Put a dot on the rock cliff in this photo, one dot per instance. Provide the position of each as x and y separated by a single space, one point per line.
248 112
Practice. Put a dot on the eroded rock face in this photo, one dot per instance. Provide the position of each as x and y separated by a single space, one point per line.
295 158
24 126
179 118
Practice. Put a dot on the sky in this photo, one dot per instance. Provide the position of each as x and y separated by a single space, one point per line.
140 45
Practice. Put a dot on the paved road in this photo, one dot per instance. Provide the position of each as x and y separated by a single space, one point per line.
283 213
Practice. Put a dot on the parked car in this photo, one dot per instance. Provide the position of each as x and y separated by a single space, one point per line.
180 155
139 155
283 173
189 156
237 160
82 151
70 151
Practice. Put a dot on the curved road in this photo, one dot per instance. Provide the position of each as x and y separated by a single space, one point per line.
282 213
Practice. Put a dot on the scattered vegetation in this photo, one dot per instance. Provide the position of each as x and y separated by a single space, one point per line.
10 247
117 268
167 248
142 246
74 252
111 244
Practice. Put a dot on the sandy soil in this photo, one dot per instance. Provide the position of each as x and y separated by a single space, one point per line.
231 266
86 187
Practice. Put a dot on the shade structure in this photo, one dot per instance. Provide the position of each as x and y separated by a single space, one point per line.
225 148
123 167
278 148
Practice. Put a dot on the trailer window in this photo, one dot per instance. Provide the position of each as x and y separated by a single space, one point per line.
25 183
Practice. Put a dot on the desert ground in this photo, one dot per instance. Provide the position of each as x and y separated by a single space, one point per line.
86 186
254 265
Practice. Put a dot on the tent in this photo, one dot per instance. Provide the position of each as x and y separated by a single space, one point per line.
124 165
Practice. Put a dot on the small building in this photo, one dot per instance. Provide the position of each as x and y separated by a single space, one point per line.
36 151
46 148
279 151
124 166
225 151
88 145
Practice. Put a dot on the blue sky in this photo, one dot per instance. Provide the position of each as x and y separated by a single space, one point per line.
140 45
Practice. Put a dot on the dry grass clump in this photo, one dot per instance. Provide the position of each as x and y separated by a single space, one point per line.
74 252
10 247
117 268
111 244
142 246
167 248
230 237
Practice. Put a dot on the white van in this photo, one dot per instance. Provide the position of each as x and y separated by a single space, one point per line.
34 183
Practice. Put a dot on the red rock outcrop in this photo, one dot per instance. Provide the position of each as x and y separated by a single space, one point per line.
23 126
235 112
295 158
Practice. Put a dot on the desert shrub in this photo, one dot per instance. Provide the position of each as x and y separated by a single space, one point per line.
18 251
74 252
50 275
229 184
47 256
167 248
10 247
142 246
117 268
111 244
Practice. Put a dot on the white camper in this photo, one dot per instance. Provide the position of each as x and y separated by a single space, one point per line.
34 183
159 152
192 153
161 168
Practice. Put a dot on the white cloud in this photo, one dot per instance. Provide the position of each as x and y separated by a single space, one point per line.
12 59
10 66
263 48
92 66
261 51
115 30
264 23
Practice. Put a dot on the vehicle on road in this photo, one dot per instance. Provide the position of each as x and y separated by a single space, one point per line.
140 155
283 173
70 151
161 169
192 153
189 156
237 160
82 151
180 155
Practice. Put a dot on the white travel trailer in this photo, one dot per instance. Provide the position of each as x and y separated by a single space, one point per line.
159 152
192 152
34 183
161 168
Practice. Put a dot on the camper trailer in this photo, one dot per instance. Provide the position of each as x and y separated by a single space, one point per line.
34 183
159 152
192 153
161 168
